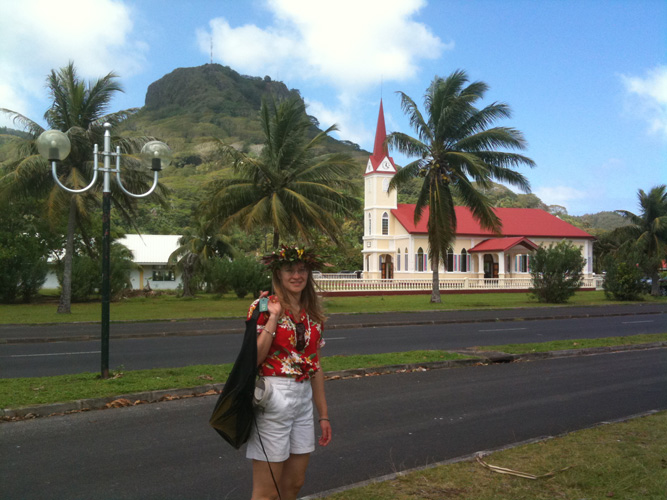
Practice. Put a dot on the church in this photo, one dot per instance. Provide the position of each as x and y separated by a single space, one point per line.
394 247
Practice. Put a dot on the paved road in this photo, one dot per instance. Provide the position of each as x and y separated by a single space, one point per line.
381 424
91 331
58 358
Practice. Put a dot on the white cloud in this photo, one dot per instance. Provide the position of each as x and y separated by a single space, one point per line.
40 35
349 44
651 94
559 195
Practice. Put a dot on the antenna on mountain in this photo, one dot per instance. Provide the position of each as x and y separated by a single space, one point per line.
211 49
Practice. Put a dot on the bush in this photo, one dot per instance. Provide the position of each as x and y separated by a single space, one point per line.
556 272
623 280
87 274
217 274
247 275
23 269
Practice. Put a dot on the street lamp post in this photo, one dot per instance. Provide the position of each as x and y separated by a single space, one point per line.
55 146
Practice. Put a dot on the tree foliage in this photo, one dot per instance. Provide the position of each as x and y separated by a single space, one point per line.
79 110
623 278
646 233
457 157
557 272
289 188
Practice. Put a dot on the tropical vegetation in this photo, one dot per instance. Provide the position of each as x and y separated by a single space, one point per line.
647 232
457 155
78 109
289 188
556 272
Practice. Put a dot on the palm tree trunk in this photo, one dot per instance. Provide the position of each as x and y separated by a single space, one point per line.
655 283
65 303
435 291
276 239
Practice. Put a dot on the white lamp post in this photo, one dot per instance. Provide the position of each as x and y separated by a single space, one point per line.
55 146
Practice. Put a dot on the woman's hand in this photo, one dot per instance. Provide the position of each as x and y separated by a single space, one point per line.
325 438
275 308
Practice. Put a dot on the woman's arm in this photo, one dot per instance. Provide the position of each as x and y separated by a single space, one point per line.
320 400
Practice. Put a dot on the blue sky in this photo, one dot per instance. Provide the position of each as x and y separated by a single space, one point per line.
586 79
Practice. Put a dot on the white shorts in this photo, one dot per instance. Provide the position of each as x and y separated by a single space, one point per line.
285 424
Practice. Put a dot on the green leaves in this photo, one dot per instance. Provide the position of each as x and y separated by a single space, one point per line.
289 188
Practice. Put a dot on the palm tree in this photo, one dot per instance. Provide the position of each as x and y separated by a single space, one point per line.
78 110
648 230
455 148
289 188
198 243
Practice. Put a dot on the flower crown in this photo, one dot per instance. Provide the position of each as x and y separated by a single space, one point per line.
291 255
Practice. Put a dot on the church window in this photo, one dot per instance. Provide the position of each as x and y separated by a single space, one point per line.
522 263
420 260
385 185
385 224
465 261
398 260
370 231
406 259
450 260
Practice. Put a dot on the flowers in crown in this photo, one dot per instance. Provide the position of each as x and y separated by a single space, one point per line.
291 255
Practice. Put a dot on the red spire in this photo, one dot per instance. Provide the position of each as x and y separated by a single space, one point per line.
380 151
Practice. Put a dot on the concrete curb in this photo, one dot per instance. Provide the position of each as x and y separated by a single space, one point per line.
123 400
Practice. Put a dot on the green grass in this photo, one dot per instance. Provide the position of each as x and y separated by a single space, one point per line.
560 345
170 307
625 460
19 392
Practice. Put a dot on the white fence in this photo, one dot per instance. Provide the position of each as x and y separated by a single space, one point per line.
338 283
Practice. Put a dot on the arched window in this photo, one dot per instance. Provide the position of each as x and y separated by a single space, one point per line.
370 226
450 260
385 185
465 261
398 260
368 263
385 224
420 260
406 259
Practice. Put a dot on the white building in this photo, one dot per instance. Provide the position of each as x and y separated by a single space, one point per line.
150 255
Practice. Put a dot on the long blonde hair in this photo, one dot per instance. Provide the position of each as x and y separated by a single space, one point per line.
310 301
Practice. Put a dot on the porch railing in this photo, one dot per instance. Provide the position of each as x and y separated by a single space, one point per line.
336 283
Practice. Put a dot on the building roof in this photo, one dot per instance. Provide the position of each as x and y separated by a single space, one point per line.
528 222
503 244
151 249
380 161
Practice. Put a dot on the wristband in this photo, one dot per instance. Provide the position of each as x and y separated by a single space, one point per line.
324 419
273 334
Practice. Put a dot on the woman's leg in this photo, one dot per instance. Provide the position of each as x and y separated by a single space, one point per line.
263 487
293 475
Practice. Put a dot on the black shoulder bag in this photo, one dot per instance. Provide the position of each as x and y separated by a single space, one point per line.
233 413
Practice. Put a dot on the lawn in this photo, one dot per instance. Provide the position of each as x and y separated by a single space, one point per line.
623 460
170 307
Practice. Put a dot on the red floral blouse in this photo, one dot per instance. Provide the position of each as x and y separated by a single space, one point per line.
283 359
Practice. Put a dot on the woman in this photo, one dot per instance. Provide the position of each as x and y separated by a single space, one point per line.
289 337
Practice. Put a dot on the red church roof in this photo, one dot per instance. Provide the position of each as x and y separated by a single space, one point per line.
503 244
528 222
380 151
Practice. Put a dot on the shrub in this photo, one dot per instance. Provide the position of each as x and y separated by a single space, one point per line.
556 272
23 268
623 280
247 275
217 274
